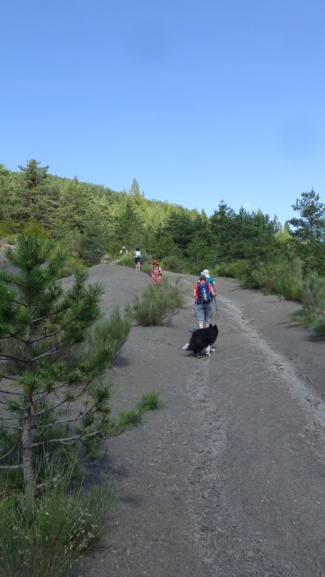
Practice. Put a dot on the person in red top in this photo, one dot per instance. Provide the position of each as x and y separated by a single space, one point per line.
203 293
156 272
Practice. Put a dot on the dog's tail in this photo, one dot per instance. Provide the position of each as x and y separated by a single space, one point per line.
185 347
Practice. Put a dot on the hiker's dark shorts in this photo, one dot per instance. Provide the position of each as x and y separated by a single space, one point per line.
137 259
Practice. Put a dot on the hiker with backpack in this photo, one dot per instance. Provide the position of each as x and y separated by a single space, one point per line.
156 272
203 293
210 279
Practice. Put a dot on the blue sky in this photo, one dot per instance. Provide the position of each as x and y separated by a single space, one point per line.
199 101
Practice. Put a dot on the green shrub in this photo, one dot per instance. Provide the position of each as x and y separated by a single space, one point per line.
174 264
118 328
159 303
4 228
284 278
113 332
72 263
234 269
313 302
126 260
9 239
45 539
146 267
33 226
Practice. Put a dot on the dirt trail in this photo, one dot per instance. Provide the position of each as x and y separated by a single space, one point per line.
226 479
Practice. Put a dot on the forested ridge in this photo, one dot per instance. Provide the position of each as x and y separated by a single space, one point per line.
92 222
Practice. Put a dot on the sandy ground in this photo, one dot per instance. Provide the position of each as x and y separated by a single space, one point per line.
226 479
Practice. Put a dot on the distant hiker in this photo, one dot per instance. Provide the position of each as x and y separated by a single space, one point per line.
137 258
209 279
123 251
156 272
203 293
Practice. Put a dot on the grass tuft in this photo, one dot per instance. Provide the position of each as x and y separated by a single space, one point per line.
44 539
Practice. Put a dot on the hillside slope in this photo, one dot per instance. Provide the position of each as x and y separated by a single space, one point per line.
226 479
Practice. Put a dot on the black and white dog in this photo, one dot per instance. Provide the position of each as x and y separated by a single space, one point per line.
202 339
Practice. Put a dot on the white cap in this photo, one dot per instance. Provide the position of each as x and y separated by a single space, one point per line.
206 272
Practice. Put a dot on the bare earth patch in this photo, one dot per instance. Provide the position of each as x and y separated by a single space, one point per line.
226 479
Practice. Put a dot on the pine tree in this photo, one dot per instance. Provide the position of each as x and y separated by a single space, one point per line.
310 226
52 397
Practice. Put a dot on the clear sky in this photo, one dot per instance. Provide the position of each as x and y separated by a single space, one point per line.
200 101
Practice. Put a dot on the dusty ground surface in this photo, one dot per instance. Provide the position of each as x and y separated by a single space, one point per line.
227 478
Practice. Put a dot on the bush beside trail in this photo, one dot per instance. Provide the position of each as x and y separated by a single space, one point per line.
313 304
287 279
158 304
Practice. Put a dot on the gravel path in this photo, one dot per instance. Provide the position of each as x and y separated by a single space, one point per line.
226 479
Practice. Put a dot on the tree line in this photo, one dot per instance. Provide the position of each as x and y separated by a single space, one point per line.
93 221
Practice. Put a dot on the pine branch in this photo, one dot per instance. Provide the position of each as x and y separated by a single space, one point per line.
8 378
64 401
10 419
8 392
70 440
72 420
62 328
50 315
11 358
53 351
10 451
